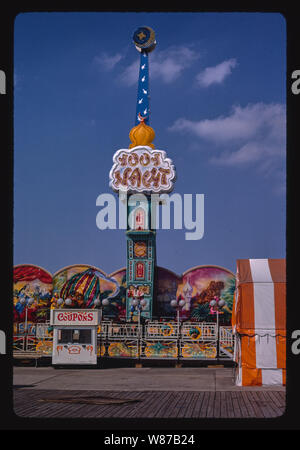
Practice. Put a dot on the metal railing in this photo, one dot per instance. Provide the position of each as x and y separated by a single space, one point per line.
116 331
153 340
189 340
226 343
200 331
33 339
19 343
161 330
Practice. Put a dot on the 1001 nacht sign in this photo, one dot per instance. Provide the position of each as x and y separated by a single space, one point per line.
142 169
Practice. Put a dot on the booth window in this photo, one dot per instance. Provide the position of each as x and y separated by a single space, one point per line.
75 336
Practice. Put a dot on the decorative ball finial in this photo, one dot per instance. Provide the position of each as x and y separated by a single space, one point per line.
144 39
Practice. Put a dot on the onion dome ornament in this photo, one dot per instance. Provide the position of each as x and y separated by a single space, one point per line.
187 290
188 293
142 134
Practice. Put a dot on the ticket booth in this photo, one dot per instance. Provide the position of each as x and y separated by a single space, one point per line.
74 336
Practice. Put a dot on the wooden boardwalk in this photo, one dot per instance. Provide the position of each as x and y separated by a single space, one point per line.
43 403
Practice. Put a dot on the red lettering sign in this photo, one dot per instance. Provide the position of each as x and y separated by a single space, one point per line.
75 317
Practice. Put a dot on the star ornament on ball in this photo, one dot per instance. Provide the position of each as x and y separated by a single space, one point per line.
144 39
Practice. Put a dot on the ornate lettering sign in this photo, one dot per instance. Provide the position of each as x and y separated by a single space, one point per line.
74 317
142 169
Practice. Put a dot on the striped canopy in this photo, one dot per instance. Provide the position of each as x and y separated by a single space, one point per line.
85 283
260 297
259 321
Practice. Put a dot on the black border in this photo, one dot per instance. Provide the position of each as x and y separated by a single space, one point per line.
135 427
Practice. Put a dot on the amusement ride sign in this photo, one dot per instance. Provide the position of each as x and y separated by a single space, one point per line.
142 169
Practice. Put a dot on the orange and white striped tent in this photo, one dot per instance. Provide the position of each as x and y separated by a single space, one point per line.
259 322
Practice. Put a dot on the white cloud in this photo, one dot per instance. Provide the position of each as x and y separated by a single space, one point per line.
167 65
130 74
216 74
107 62
254 134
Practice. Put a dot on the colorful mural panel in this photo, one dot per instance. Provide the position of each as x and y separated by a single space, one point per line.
44 346
198 287
32 292
199 350
84 283
72 282
123 349
161 349
116 309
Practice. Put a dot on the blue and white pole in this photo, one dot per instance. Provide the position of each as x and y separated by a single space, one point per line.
144 41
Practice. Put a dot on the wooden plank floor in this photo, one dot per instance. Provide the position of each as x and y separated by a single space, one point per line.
152 404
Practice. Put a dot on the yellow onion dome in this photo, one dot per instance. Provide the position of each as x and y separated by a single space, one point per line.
142 134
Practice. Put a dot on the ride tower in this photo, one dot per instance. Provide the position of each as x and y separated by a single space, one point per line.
139 174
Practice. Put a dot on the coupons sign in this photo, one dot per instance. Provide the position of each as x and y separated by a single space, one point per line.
74 317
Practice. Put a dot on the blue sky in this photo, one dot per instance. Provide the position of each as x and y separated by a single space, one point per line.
217 88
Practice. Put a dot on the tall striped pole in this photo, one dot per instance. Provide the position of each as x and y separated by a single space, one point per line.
144 41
